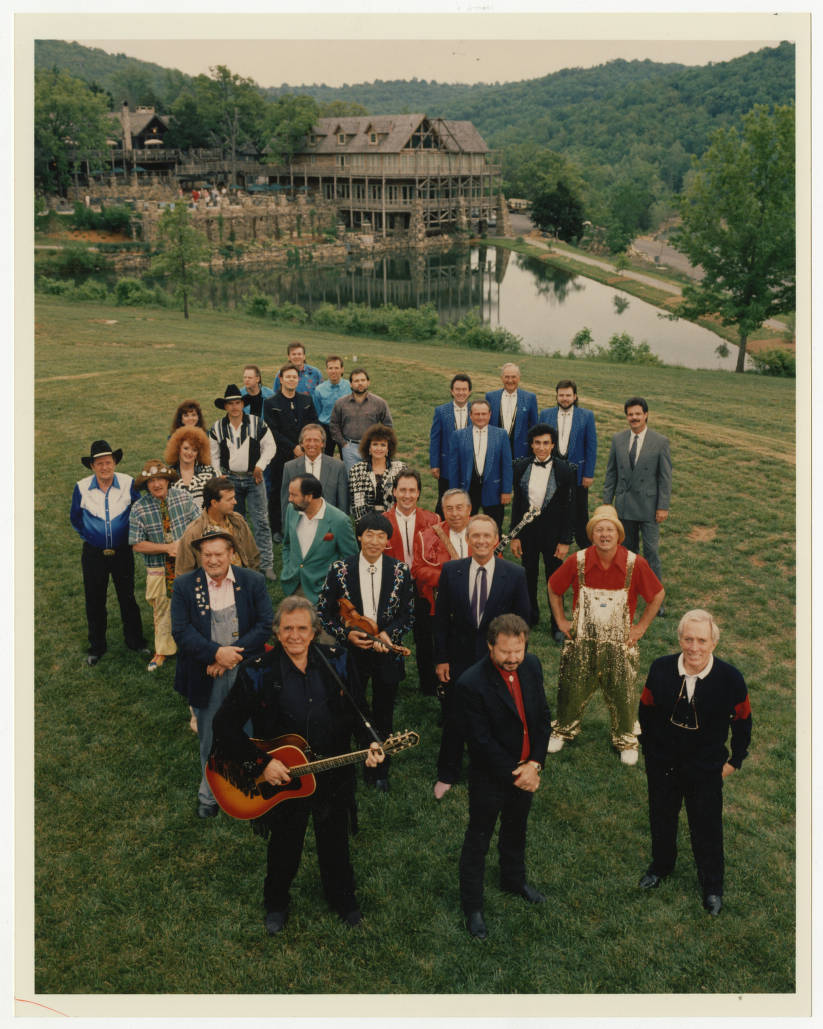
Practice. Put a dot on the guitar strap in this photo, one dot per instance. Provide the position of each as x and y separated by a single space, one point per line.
345 691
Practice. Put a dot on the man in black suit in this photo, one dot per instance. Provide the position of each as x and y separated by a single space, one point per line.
471 592
507 721
544 484
285 414
381 589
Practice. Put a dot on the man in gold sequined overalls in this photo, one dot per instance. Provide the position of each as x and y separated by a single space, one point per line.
601 641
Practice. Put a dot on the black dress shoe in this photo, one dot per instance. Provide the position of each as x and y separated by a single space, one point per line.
713 902
352 917
207 810
276 921
92 660
476 925
381 785
649 881
528 893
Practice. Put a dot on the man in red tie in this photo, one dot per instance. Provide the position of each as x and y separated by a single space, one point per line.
506 721
409 521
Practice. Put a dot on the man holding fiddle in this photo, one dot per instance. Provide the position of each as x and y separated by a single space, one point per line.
290 690
367 604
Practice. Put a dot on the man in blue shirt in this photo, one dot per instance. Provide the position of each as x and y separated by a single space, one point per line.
310 377
100 510
328 393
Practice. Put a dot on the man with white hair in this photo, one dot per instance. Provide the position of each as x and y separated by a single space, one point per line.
602 650
689 704
513 409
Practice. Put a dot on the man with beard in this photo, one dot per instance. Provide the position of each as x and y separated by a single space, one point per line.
577 444
329 470
352 415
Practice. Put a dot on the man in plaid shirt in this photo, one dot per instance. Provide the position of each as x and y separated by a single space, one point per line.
156 523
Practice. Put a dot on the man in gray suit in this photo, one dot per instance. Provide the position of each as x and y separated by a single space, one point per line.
329 470
639 481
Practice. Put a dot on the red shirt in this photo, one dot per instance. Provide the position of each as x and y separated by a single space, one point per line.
513 687
644 582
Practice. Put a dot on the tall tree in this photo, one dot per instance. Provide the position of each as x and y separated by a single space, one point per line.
234 111
69 122
558 211
291 118
738 212
182 250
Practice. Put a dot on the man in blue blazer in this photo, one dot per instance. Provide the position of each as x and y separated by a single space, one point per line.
639 482
310 549
471 592
507 719
513 409
577 444
448 419
481 463
220 615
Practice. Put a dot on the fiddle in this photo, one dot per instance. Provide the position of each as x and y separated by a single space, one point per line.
352 619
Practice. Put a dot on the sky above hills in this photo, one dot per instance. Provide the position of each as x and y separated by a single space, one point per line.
302 61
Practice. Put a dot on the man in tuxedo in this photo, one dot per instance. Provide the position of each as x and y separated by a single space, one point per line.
507 730
220 615
448 419
286 413
409 521
314 461
577 444
513 409
316 534
639 481
380 588
542 484
471 593
481 463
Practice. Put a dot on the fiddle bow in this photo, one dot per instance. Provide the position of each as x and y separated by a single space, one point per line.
352 619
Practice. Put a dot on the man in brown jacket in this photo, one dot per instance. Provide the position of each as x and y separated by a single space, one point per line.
218 510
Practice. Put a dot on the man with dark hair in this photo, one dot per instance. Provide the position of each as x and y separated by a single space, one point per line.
316 534
576 443
409 521
286 413
353 414
309 376
329 470
326 395
543 492
448 419
220 615
513 409
219 502
241 448
100 507
471 593
689 703
289 690
639 481
481 463
507 720
380 588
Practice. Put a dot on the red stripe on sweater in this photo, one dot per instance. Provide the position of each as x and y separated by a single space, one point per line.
743 710
646 697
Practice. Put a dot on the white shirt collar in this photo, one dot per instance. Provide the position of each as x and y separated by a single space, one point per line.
681 668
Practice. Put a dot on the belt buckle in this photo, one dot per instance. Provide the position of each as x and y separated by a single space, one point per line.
108 552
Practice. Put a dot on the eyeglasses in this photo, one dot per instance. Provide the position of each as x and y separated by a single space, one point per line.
684 714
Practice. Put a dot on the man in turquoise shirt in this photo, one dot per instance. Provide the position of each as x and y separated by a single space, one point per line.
327 393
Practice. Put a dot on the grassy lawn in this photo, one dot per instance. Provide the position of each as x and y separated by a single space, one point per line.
135 894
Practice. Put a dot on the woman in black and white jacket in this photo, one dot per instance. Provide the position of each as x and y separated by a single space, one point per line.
371 480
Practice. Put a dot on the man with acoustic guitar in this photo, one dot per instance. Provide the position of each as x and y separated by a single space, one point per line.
286 691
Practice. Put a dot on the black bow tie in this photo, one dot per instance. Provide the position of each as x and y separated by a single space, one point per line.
542 464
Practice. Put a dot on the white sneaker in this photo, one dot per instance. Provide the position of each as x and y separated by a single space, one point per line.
555 744
629 757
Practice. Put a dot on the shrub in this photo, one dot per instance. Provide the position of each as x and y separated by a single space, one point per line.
130 292
775 362
471 332
257 305
90 290
288 312
623 349
75 260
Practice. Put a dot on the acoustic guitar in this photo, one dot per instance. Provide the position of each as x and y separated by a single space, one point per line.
291 750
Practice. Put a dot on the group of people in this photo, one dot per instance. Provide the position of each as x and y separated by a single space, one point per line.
363 566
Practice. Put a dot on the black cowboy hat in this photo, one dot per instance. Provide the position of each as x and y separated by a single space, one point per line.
232 393
100 448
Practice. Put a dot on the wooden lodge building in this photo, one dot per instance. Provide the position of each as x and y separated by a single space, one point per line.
388 175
